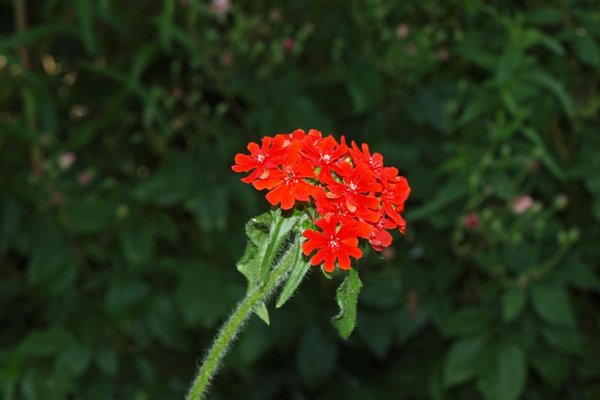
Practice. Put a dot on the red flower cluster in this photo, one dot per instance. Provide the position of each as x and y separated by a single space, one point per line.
354 194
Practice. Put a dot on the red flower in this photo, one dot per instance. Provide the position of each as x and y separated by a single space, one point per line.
261 159
338 241
286 184
375 161
350 191
355 188
324 152
337 206
380 237
393 197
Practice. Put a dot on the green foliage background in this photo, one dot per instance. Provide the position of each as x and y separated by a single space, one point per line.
116 271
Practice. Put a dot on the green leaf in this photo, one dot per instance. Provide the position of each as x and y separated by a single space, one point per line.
364 86
565 339
552 367
53 266
553 85
587 50
126 296
513 302
85 14
137 242
315 357
377 332
460 363
212 208
582 276
548 16
257 230
506 379
254 342
175 181
546 157
279 232
47 342
74 360
12 214
272 237
36 33
551 302
347 298
467 322
383 290
296 275
107 361
450 193
91 215
263 313
205 293
408 326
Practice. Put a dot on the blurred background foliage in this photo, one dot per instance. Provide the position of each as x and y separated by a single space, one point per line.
121 222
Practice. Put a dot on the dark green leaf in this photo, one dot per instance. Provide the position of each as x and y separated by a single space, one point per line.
206 294
138 244
125 296
85 14
9 225
468 321
74 360
513 303
177 180
566 339
506 379
554 86
587 50
47 342
377 331
92 215
254 342
460 363
107 361
551 302
315 357
552 367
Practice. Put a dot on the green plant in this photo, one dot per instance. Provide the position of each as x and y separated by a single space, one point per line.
116 267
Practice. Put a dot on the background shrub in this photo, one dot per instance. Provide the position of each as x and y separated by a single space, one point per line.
121 222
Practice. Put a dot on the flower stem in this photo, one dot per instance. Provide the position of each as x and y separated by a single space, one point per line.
231 328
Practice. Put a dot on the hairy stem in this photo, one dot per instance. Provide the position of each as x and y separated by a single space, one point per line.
231 328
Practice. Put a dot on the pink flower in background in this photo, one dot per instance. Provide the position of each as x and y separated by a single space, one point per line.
220 7
65 160
534 164
402 31
85 177
58 198
411 49
227 59
522 204
45 139
288 44
471 221
443 55
275 15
